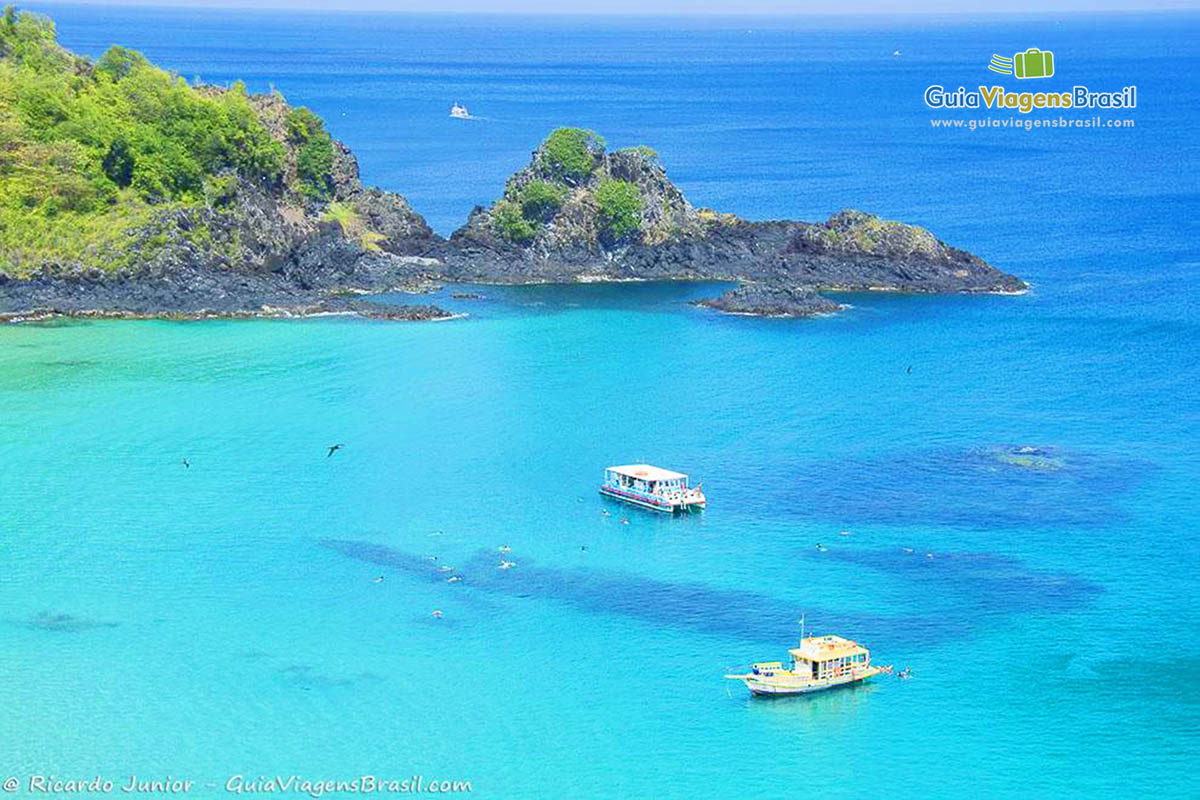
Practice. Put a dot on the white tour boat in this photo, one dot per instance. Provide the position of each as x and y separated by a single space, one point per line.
459 111
652 487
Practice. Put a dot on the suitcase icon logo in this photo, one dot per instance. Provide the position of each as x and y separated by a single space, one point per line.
1033 63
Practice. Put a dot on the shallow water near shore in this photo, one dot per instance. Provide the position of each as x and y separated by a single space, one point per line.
224 618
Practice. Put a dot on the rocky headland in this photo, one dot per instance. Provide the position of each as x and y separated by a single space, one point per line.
149 196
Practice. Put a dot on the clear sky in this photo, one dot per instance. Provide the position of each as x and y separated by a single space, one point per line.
734 7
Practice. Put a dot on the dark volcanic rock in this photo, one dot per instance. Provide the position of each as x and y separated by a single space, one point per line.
305 287
375 310
675 241
263 246
770 301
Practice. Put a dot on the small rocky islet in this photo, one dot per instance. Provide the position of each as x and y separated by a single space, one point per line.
112 206
770 300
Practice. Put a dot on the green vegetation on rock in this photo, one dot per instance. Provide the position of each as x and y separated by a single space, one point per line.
620 207
855 231
89 151
352 226
519 216
648 153
314 157
571 153
541 200
574 192
511 223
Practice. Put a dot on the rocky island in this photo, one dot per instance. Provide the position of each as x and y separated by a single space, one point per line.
126 191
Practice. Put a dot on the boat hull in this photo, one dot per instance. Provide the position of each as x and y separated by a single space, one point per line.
779 686
654 504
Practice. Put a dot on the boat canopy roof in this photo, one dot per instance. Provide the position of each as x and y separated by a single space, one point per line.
647 472
823 648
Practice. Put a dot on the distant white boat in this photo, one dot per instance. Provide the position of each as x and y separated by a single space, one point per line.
459 112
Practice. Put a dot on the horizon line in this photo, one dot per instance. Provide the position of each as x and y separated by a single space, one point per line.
272 6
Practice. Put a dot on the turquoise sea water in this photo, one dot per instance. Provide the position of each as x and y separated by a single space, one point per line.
223 619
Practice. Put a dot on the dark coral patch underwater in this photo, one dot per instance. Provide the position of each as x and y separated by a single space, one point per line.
62 623
978 584
725 612
983 488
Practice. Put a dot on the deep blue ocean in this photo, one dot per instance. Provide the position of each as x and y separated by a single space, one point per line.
225 619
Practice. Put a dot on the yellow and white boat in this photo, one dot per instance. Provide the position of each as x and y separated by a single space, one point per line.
819 663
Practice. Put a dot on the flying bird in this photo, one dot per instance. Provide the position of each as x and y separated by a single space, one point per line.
333 448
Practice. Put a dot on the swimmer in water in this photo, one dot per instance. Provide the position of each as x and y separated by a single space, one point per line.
453 579
437 613
379 579
507 564
504 548
624 520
